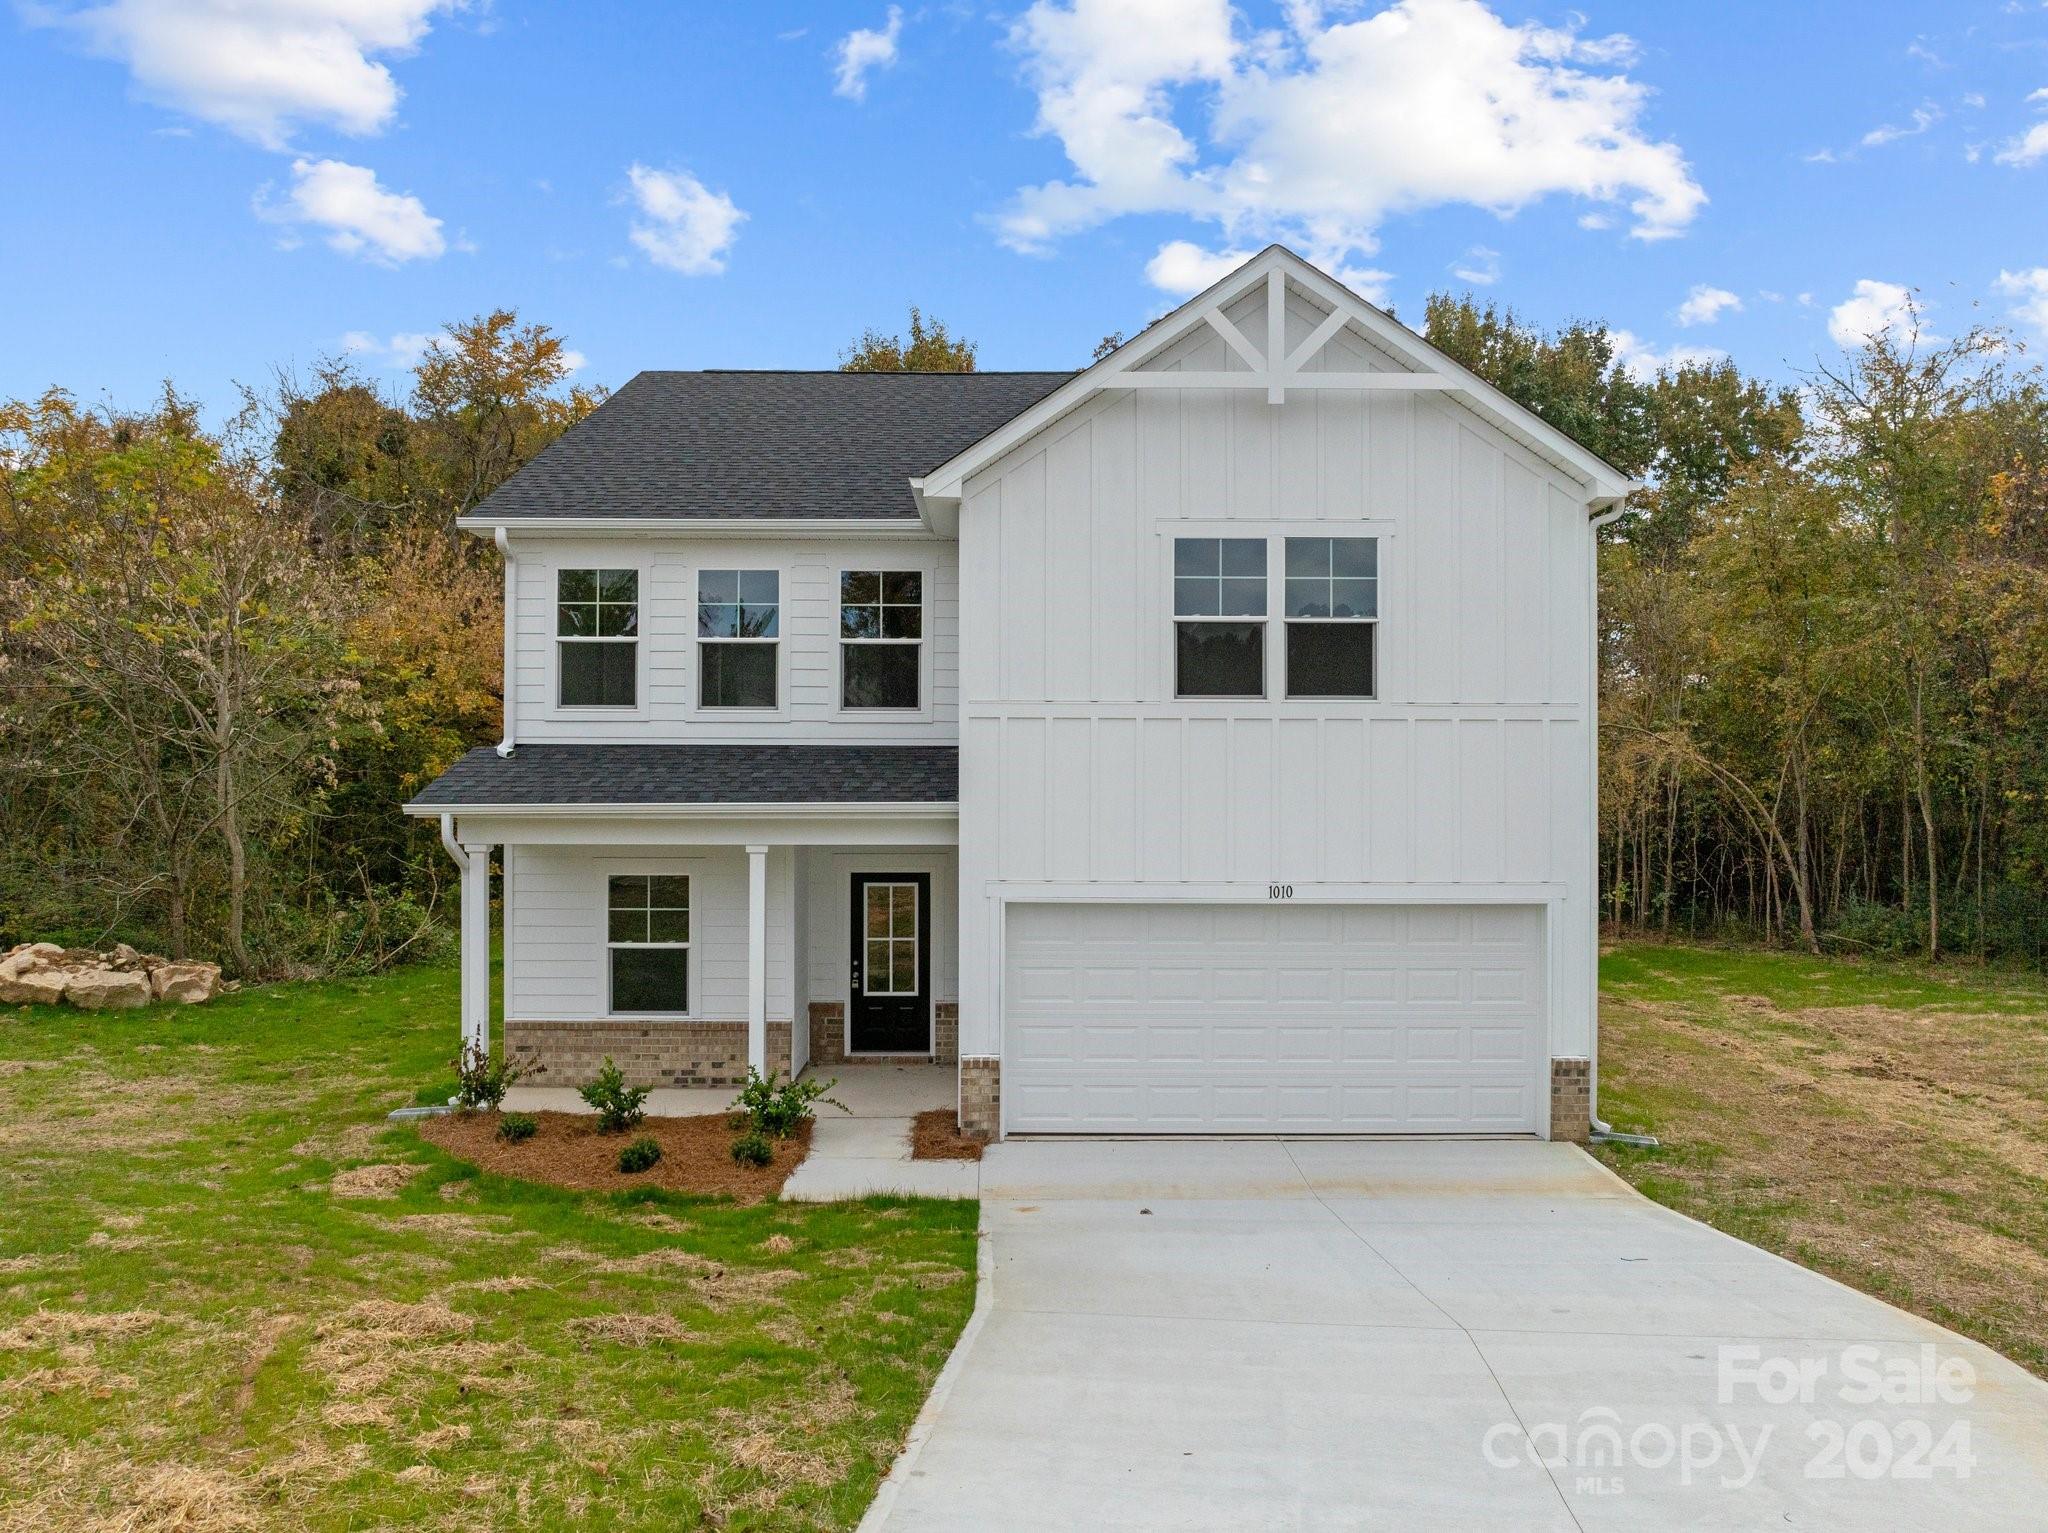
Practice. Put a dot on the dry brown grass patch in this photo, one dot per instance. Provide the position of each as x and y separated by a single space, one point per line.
376 1181
631 1330
55 1327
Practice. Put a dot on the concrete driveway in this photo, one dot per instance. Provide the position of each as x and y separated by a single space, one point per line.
1461 1335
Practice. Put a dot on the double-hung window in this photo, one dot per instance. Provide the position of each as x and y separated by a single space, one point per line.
1332 616
647 932
739 615
1219 617
881 635
597 629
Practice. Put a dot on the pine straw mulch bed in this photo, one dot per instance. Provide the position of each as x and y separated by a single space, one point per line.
568 1151
936 1135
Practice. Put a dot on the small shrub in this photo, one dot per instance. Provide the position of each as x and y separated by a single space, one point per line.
639 1155
751 1149
618 1106
481 1082
515 1127
779 1110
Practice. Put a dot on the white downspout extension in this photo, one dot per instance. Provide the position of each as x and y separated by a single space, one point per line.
510 684
474 960
1598 1126
757 958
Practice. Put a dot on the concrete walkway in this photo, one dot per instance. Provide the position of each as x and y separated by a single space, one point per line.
866 1150
1416 1335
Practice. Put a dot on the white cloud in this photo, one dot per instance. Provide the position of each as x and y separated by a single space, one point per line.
684 225
1874 309
2030 147
1182 267
2031 289
1643 361
1923 117
359 216
257 67
400 353
1310 132
1480 266
863 50
1704 304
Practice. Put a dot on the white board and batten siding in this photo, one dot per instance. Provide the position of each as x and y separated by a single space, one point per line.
1468 780
808 683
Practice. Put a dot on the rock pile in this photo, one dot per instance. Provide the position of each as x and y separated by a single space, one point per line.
43 973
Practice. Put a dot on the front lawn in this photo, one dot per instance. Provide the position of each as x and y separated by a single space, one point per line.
232 1296
1884 1123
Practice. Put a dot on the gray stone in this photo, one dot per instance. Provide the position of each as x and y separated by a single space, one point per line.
95 989
186 983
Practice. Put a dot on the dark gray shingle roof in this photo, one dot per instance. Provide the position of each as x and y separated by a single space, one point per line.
537 775
764 444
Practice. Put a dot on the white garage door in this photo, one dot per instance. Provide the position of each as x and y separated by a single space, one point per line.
1245 1019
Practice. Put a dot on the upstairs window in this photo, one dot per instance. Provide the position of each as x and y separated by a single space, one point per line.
1332 616
647 933
739 617
597 630
1219 617
881 632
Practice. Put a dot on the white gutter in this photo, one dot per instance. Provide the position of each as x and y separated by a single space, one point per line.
802 810
724 526
509 685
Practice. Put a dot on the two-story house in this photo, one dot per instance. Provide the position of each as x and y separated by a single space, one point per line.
1203 742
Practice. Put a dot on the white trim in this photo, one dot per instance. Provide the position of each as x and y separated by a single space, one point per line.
509 683
925 710
815 810
641 709
757 961
720 526
1275 266
696 708
1228 893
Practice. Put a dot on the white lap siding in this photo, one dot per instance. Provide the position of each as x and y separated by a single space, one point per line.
828 877
555 958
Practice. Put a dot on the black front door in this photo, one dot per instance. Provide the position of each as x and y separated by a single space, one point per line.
891 1009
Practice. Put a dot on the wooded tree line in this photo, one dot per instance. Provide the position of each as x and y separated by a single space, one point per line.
226 655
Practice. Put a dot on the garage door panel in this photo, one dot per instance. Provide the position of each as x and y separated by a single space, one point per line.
1257 1018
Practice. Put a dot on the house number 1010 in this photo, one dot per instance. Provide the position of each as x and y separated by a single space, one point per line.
1279 891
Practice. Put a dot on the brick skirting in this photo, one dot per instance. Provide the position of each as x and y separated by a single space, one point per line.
981 1095
1571 1099
650 1053
945 1032
828 1032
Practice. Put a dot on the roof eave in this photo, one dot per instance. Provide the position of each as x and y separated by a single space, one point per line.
806 809
911 526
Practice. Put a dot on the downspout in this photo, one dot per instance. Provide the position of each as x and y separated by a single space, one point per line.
1600 1130
510 684
454 847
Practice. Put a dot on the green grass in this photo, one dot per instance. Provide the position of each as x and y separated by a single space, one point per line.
196 1331
1886 1123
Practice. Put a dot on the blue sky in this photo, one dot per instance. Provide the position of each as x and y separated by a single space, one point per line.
201 191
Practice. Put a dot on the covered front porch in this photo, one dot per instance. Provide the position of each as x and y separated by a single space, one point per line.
694 912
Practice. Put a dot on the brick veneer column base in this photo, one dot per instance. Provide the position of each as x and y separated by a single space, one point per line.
1571 1099
981 1095
945 1032
649 1053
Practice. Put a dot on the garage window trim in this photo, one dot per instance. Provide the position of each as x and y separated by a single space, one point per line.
597 638
881 640
1219 617
1331 617
647 943
739 630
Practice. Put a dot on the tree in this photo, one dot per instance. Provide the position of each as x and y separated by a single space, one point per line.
930 350
186 638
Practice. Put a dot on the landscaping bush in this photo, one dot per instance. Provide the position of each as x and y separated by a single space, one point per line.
751 1149
517 1126
779 1110
639 1155
480 1081
618 1106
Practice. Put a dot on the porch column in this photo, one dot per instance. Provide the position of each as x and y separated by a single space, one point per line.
757 958
476 946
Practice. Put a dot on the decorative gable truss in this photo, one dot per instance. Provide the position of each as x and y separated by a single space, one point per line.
1280 320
